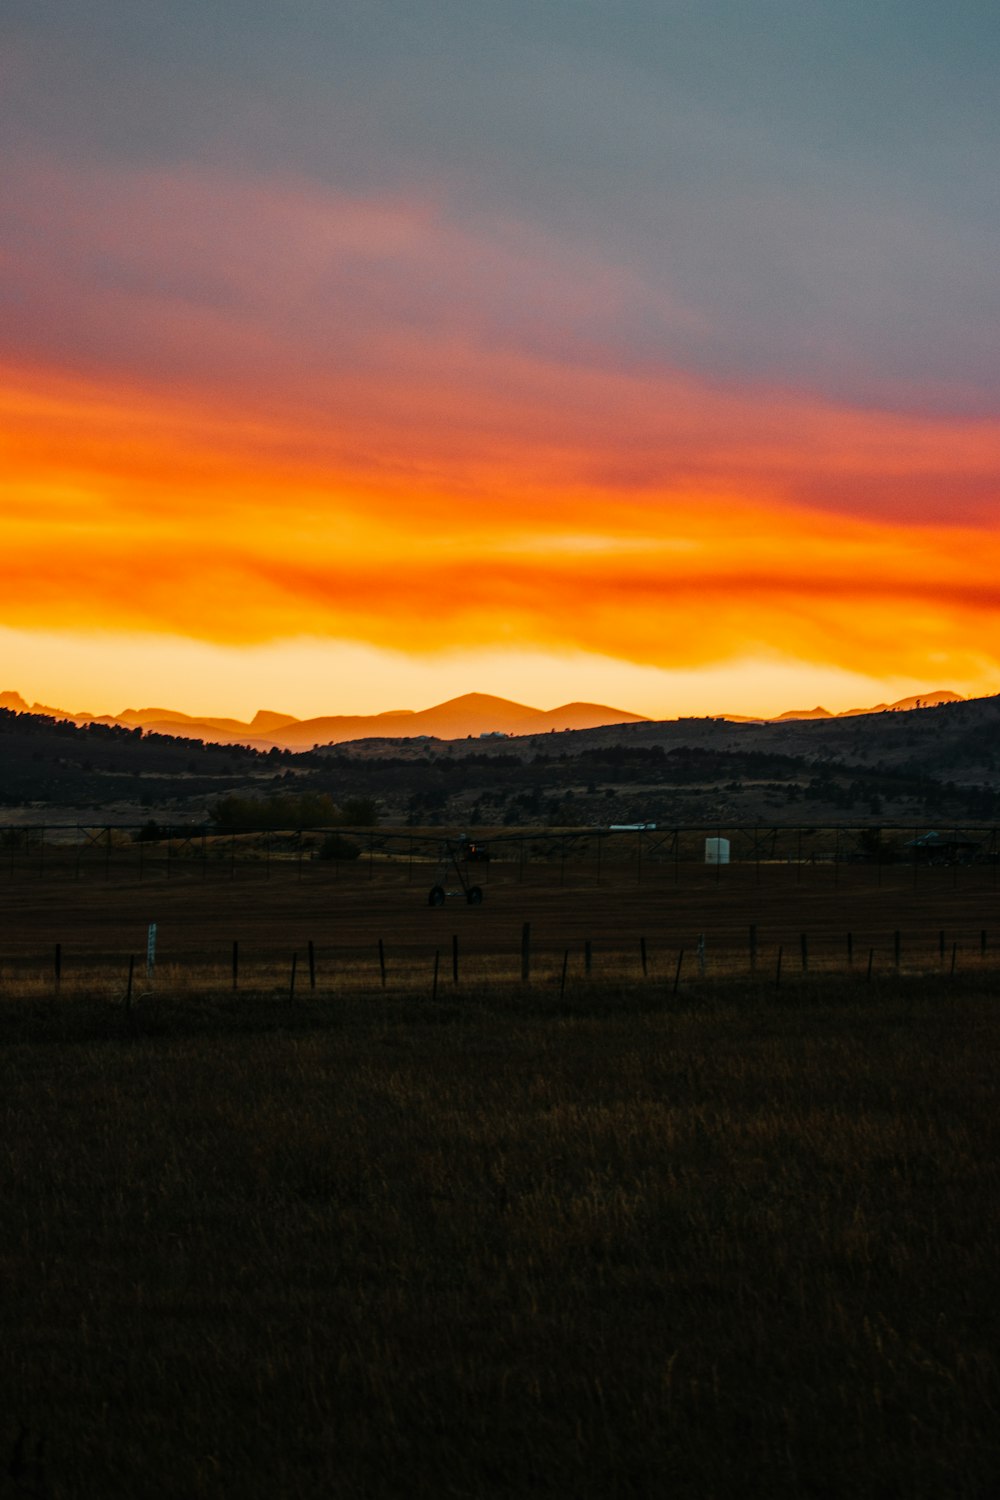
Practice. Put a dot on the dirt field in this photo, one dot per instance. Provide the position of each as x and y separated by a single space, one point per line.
99 912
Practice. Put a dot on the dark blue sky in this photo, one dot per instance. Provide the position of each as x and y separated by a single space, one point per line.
797 192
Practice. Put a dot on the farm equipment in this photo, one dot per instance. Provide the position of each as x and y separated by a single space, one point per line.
454 854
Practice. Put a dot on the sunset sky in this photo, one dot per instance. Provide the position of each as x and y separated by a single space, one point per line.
360 353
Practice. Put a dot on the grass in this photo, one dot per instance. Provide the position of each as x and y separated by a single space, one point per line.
511 1242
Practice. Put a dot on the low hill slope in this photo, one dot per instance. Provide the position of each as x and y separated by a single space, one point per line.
954 740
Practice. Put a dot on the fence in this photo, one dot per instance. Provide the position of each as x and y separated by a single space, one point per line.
600 904
540 961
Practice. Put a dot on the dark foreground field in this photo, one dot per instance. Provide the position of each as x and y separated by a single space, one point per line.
731 1241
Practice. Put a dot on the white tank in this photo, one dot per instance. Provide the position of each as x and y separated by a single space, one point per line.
716 851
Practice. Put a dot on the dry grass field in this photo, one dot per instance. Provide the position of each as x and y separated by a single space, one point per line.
611 1236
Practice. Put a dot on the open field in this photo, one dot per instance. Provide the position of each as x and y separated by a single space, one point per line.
608 1243
601 1234
849 913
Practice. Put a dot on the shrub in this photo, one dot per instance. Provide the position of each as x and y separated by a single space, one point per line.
335 846
282 810
150 830
360 812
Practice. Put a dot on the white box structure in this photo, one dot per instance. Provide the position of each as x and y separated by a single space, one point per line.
716 851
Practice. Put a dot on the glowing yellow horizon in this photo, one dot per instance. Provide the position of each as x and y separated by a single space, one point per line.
143 512
105 674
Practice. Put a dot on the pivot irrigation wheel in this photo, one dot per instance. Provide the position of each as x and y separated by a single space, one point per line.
436 896
474 896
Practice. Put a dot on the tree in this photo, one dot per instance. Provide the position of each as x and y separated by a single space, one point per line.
360 812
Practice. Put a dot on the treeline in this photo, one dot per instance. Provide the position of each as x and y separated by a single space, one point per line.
235 814
116 737
12 722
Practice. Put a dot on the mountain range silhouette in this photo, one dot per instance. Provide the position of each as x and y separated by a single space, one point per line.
472 714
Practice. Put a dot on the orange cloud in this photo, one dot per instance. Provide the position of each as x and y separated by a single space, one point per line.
268 437
126 509
380 336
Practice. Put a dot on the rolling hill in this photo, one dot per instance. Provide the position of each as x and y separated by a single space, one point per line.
927 765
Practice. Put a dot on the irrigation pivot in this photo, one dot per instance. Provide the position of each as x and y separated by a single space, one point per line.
455 854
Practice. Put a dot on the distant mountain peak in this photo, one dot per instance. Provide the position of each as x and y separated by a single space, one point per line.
482 702
806 713
905 705
266 718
